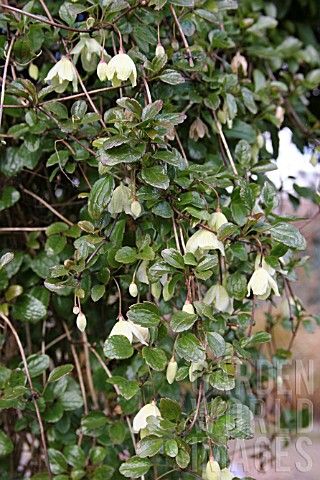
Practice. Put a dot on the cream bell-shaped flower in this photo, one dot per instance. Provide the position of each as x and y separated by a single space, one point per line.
204 240
140 420
122 327
262 263
121 68
216 220
140 334
213 471
218 296
120 200
226 474
90 51
61 74
261 284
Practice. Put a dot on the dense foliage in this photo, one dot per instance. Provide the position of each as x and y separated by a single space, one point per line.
136 206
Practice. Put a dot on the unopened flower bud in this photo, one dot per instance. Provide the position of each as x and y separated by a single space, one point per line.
172 370
160 51
76 310
33 71
136 208
81 322
90 22
213 471
133 289
102 69
188 308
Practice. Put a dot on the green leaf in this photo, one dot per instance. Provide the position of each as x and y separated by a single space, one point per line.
93 424
100 196
237 285
155 177
29 309
171 448
173 257
243 153
248 100
227 230
126 255
68 12
216 343
135 467
145 314
97 292
155 358
172 77
172 157
256 339
75 456
127 388
37 364
189 347
170 409
6 445
9 197
151 110
118 347
221 381
58 462
269 197
60 372
149 446
182 321
103 472
122 154
289 235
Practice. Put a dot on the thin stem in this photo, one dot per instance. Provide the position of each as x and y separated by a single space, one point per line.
44 20
47 205
22 229
146 86
116 388
120 298
25 364
176 234
88 371
78 368
196 414
4 77
185 42
226 146
78 95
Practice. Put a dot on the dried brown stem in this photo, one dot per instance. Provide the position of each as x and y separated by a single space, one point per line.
33 394
185 41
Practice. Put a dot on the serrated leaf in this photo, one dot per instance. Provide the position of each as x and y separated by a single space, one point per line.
145 314
155 177
149 446
289 235
189 347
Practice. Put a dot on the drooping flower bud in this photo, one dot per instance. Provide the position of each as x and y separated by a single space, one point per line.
160 51
81 322
76 310
102 70
133 289
198 129
213 471
121 68
171 370
136 208
33 71
218 296
239 61
188 307
90 22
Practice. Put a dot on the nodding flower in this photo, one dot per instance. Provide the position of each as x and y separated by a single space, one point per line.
61 74
120 69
